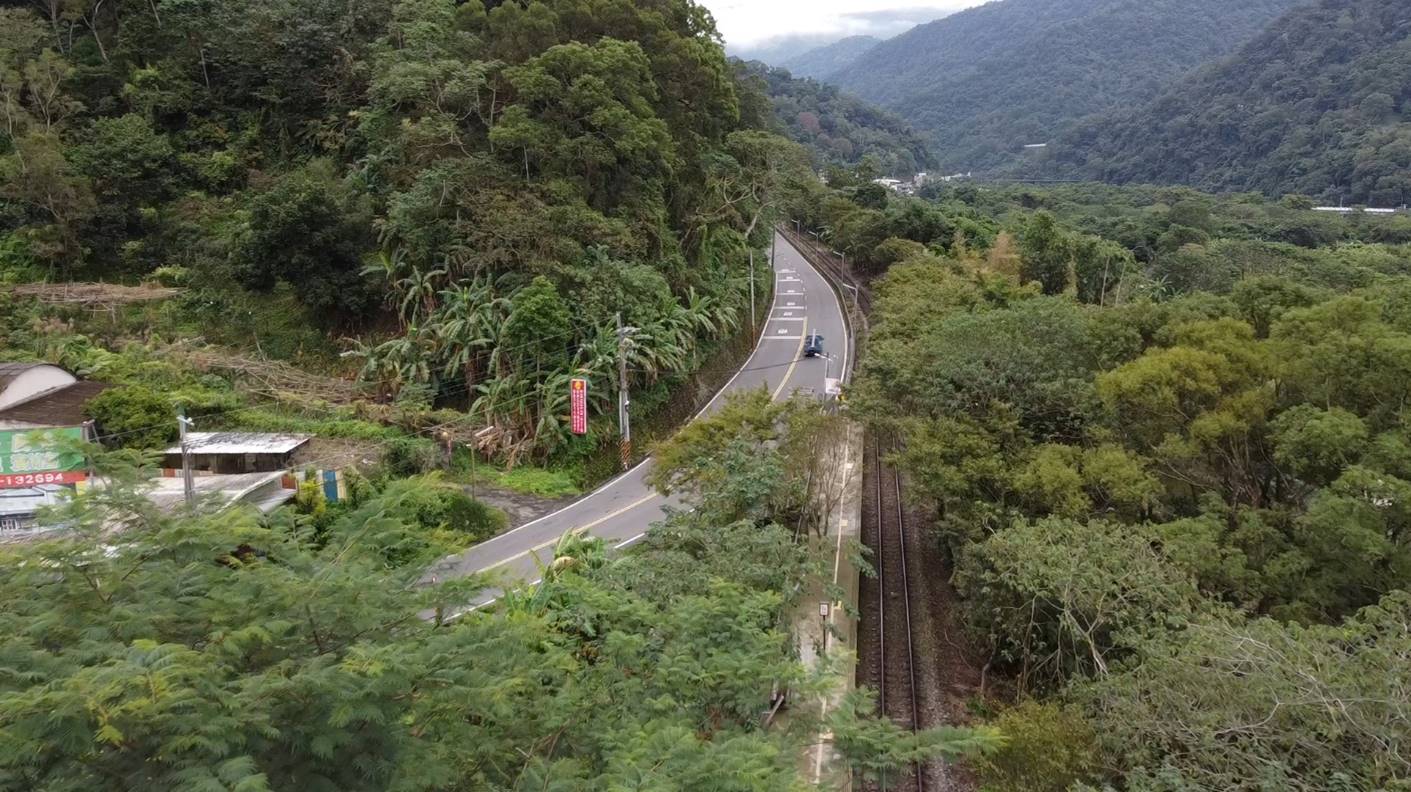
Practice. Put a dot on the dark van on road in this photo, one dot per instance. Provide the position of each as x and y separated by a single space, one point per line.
813 345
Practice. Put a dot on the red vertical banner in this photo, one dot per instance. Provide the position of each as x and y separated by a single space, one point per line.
579 405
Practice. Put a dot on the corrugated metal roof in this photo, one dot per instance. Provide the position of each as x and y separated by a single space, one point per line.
62 407
240 443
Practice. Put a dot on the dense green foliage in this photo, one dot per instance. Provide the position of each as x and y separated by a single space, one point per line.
839 129
1170 461
448 174
988 80
1181 239
1317 104
211 650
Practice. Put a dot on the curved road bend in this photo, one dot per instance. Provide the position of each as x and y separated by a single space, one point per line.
620 511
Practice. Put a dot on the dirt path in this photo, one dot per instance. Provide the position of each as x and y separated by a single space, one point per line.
519 507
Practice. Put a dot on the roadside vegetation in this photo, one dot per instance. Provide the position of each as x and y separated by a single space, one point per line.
218 650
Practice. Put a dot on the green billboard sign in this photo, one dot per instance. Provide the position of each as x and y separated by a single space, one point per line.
39 450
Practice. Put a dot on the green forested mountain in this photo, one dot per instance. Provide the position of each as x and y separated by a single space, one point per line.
829 59
991 79
453 170
1318 104
837 128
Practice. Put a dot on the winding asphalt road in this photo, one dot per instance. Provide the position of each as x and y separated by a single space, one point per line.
621 510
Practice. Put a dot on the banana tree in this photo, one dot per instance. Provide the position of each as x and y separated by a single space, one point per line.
397 362
418 291
467 325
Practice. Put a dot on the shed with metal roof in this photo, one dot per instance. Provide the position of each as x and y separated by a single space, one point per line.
237 452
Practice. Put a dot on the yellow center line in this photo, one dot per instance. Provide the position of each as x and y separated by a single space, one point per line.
797 354
575 531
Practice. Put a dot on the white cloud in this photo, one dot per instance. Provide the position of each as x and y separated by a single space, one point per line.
745 23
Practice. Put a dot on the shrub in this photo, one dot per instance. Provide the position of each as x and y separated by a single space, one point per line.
133 416
447 508
170 276
418 520
1046 749
409 456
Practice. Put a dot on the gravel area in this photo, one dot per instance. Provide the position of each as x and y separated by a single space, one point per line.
948 670
519 507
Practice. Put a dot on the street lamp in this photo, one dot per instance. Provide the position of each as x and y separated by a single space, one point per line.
854 291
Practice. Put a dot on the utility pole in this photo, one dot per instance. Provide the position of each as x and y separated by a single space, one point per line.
754 325
624 418
90 435
773 249
188 484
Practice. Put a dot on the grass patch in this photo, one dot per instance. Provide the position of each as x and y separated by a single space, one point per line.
541 482
263 419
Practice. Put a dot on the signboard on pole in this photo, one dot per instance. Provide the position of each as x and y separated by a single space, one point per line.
30 456
578 401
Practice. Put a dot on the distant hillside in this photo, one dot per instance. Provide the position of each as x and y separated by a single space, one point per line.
988 80
1318 104
828 59
837 128
779 49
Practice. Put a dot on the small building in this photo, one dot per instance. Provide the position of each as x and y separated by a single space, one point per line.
228 453
20 505
41 396
38 400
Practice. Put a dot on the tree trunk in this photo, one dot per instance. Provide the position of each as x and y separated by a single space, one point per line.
93 26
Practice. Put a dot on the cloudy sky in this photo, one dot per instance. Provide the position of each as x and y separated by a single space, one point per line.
746 23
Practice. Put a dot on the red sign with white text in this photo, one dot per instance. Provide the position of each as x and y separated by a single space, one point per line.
578 401
16 480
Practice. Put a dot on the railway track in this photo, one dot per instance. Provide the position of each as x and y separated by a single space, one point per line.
887 623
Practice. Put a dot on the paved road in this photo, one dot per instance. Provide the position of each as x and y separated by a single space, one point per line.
620 511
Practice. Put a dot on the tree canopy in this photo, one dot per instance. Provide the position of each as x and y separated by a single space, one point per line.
1167 458
404 169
